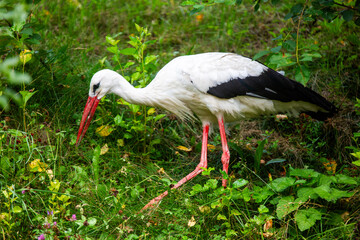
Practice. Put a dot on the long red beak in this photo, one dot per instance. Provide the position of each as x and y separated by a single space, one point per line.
88 114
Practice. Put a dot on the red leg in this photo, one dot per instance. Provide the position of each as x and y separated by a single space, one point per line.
225 158
197 171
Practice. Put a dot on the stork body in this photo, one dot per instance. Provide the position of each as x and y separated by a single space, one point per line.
215 87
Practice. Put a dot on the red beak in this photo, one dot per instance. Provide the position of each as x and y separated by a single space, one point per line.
88 114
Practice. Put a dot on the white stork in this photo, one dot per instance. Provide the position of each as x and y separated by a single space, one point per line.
217 88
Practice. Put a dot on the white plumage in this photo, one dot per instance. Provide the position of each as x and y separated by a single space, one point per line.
215 87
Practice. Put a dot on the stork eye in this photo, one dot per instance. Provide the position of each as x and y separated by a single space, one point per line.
96 86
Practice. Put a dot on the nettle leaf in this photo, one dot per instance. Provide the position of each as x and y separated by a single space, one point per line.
344 179
261 193
260 54
306 194
331 194
286 205
302 74
305 219
348 15
304 173
280 184
240 183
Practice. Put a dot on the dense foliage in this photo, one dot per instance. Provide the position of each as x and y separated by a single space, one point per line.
288 178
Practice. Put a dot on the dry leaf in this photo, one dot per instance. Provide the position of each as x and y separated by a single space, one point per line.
50 173
104 149
211 147
104 131
161 171
191 222
281 117
204 209
330 166
268 225
151 111
37 166
248 146
182 148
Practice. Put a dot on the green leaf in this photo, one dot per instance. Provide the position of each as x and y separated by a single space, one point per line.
289 45
26 95
258 154
240 183
307 193
286 205
305 219
357 163
111 41
275 160
113 49
260 54
344 179
149 59
92 221
17 209
304 173
348 15
280 184
331 194
221 217
127 51
263 209
259 194
187 3
302 74
276 49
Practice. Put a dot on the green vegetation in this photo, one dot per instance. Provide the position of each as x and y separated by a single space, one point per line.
288 178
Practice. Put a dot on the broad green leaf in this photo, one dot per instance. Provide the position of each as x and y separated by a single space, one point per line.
187 3
17 209
263 209
276 49
280 184
135 76
260 54
221 217
159 116
92 221
304 173
305 219
302 74
26 95
128 51
357 163
306 194
286 205
240 183
111 41
331 194
259 194
113 49
348 15
344 179
289 45
149 59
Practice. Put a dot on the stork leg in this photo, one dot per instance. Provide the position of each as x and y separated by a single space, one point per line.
225 158
200 167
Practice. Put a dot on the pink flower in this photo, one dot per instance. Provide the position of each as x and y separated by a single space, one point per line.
41 237
55 223
73 218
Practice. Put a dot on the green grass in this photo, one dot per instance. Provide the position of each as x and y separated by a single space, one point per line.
42 170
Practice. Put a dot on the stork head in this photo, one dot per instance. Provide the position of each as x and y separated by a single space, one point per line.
101 83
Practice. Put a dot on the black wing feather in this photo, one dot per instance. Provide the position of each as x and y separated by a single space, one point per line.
273 86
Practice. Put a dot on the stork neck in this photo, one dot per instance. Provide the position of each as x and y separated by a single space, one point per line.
140 96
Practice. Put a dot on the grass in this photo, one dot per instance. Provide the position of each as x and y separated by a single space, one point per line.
95 191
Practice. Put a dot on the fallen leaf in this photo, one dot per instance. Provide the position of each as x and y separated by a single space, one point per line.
37 166
268 224
104 149
281 117
50 173
182 148
211 147
330 166
191 222
104 131
161 171
204 209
